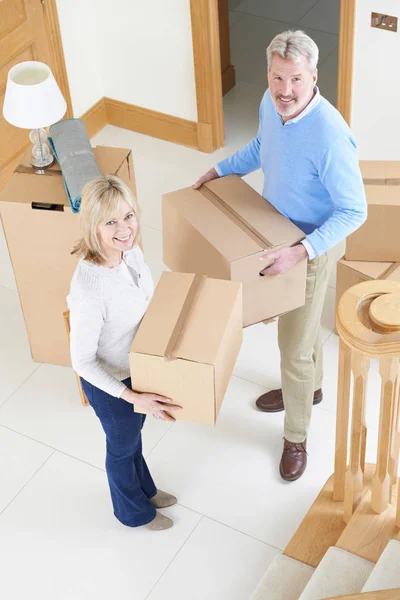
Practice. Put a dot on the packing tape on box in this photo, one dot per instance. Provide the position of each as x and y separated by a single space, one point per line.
33 171
389 271
194 290
235 216
239 220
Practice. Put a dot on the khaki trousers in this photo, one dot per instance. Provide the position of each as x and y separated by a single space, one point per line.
300 345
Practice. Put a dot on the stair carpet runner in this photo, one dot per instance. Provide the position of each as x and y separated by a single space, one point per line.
338 574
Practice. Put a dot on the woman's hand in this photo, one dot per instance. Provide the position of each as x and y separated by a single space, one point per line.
152 403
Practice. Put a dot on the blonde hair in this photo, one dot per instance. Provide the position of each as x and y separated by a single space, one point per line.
294 45
100 200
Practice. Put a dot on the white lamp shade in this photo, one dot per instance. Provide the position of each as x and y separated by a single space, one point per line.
33 98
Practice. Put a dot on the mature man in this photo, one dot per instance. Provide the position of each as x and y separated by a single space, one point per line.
311 175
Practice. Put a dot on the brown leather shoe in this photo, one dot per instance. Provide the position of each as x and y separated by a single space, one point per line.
293 461
273 401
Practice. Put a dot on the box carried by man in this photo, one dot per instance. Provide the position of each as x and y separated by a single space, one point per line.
221 230
188 343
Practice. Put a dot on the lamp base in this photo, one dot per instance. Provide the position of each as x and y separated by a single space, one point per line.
41 165
42 157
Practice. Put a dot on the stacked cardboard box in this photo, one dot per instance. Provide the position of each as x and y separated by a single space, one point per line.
378 239
221 230
41 231
351 272
373 251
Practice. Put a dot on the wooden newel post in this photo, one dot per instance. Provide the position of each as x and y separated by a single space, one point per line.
395 439
381 481
342 421
368 323
355 473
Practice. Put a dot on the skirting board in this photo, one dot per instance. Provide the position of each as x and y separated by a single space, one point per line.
95 118
149 122
228 79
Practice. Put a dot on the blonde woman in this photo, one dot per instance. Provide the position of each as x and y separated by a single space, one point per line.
110 292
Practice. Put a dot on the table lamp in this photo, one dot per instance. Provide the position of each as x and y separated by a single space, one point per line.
33 100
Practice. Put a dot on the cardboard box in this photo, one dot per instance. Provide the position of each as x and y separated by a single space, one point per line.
378 239
41 231
350 273
221 230
188 343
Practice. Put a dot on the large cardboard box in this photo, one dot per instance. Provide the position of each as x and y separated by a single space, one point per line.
221 230
378 239
41 230
350 273
188 343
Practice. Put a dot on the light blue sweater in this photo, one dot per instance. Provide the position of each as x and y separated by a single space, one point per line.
311 172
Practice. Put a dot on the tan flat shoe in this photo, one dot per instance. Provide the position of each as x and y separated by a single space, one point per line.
159 523
163 499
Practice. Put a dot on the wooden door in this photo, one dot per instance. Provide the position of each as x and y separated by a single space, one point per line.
210 33
25 31
227 69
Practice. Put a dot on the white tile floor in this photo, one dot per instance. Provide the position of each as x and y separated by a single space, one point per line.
58 537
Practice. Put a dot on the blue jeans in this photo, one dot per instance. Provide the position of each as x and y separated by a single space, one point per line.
131 484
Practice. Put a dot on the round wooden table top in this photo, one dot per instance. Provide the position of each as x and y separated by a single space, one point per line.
384 311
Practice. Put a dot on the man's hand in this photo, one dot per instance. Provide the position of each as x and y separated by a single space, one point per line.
284 259
209 176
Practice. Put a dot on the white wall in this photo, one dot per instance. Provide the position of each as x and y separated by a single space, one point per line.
147 54
376 83
135 51
78 24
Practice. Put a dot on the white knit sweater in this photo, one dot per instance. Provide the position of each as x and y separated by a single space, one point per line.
105 312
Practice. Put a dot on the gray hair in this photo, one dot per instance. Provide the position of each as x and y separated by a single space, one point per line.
293 45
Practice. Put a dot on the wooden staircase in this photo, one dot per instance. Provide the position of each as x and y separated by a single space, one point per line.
381 595
358 509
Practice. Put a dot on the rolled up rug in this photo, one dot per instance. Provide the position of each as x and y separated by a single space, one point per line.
71 146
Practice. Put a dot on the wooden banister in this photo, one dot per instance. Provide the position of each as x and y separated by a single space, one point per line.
368 323
355 473
342 420
379 595
382 481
